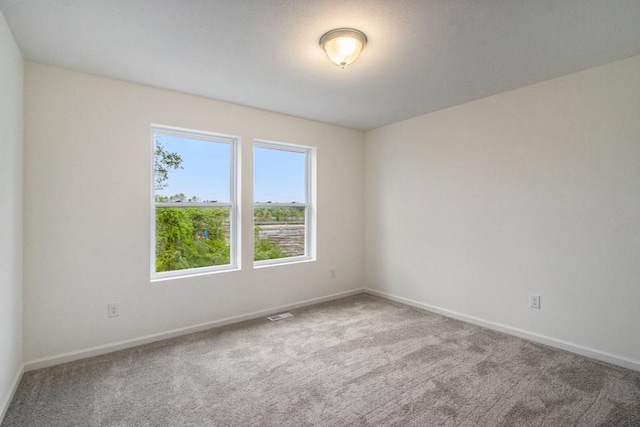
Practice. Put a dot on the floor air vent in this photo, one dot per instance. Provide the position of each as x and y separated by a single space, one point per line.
279 316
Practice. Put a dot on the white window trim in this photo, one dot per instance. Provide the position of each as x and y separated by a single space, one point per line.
309 204
234 214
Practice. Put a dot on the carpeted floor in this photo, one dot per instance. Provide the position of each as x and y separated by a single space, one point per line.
358 361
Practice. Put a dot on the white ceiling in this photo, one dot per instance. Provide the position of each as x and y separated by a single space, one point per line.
422 56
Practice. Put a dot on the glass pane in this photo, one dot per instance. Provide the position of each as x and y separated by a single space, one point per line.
279 232
192 237
279 176
191 170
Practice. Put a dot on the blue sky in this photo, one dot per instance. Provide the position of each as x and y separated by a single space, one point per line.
205 169
279 176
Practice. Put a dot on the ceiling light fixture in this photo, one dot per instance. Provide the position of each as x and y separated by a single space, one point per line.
343 45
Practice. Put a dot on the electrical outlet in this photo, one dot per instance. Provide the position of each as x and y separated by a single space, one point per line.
534 301
113 310
332 273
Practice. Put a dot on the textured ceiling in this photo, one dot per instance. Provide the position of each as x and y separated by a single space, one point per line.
422 56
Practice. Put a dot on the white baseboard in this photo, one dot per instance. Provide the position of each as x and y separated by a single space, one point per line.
121 345
9 397
603 356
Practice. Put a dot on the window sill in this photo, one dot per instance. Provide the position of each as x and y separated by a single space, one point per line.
282 261
186 275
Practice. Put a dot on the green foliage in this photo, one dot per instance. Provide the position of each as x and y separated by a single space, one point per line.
191 237
265 249
182 242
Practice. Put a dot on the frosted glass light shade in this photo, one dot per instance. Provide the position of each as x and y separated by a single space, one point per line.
343 45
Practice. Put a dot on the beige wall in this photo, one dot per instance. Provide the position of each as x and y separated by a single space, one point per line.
536 190
87 213
11 113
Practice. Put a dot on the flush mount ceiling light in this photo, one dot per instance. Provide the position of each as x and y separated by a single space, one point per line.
343 45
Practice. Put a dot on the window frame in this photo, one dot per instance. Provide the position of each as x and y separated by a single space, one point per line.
233 205
309 204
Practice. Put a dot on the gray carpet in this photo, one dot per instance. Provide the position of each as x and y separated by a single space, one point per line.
358 361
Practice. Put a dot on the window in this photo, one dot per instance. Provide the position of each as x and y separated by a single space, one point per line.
194 203
282 210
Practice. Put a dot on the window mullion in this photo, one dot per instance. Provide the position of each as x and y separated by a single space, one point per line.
192 205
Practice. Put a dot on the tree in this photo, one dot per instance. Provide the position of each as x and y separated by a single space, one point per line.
174 239
264 249
164 161
191 238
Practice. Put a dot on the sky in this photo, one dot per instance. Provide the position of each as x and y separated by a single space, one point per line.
279 176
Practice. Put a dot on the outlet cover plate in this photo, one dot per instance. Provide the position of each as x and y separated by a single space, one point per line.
113 310
534 301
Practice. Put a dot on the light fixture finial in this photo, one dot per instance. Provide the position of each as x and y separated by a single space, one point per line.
343 45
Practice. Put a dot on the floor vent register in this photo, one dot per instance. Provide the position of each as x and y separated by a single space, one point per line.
279 316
